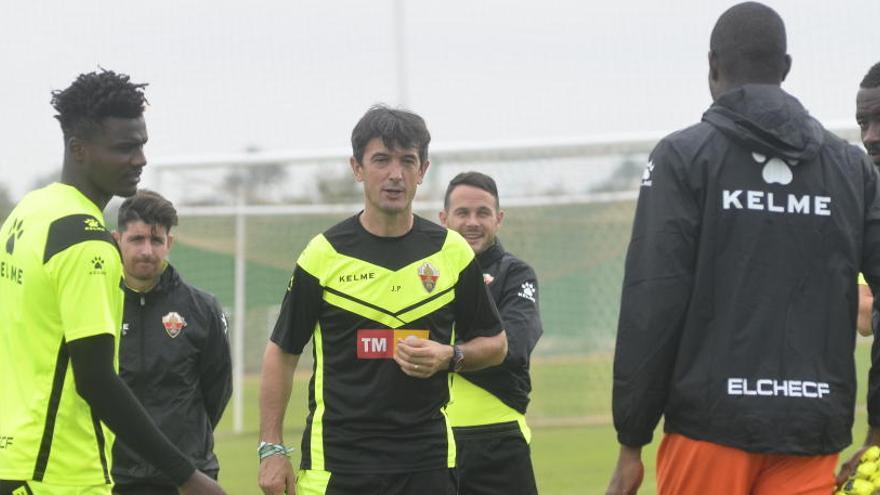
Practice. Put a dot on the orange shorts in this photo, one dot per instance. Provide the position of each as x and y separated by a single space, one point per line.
693 467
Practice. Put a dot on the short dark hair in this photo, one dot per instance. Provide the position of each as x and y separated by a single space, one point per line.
473 179
872 78
95 96
749 42
398 128
149 207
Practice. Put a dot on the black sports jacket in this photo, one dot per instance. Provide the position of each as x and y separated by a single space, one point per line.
738 311
514 288
174 355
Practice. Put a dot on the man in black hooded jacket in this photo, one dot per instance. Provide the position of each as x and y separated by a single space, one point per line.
739 295
173 352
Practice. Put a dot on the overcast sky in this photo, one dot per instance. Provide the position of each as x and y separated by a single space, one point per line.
296 75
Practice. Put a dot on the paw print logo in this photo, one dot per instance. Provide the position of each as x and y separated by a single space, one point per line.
527 291
15 232
775 170
97 266
647 174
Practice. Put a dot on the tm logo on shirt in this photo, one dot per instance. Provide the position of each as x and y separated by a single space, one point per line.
381 344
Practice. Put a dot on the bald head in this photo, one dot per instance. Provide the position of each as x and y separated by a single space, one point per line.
747 46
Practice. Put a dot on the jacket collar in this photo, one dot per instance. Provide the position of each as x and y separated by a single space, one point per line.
167 282
491 255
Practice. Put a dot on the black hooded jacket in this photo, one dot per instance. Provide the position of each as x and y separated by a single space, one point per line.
739 301
514 288
174 355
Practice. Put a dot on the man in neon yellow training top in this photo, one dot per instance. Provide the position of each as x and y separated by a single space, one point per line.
61 301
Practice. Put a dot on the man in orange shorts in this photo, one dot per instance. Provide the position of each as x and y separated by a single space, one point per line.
739 295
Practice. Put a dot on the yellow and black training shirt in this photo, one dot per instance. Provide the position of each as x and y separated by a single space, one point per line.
355 294
60 275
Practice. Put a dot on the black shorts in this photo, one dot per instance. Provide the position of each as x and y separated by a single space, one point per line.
494 460
436 482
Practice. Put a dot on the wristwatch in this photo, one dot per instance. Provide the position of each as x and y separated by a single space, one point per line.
457 359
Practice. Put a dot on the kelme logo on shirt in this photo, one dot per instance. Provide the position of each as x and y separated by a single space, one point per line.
92 225
527 291
381 344
173 324
429 275
97 266
646 175
775 170
14 233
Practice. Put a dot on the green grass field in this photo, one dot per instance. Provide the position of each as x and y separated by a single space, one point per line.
574 447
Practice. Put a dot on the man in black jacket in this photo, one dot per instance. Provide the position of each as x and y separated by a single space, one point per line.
739 295
868 119
488 413
173 354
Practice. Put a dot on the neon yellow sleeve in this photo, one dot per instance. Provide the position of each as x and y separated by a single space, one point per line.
87 278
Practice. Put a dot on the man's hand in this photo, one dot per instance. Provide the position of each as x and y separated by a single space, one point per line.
628 474
276 476
849 467
200 484
421 358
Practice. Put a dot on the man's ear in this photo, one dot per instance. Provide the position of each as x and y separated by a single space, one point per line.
787 66
500 218
423 169
117 236
713 66
77 148
170 241
442 217
356 168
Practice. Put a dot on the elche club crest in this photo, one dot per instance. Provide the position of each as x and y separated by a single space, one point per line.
173 323
429 275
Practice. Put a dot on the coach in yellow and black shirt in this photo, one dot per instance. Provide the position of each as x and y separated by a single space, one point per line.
381 295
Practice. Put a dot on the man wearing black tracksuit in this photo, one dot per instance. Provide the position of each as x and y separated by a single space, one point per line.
173 354
489 407
739 296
